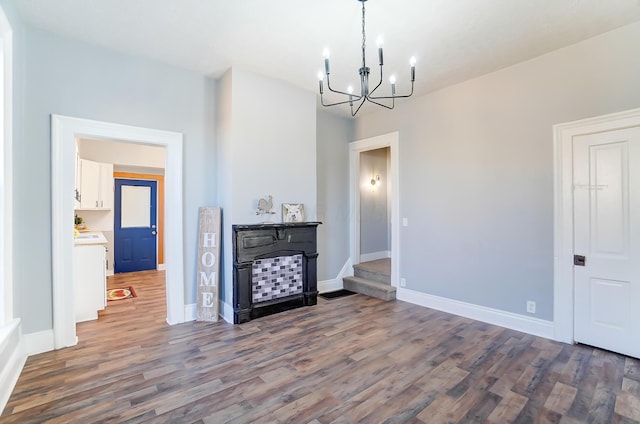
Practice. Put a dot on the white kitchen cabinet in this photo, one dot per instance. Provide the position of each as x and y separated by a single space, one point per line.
96 185
89 280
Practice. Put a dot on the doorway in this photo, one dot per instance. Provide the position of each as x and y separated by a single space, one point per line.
375 187
64 132
375 208
597 242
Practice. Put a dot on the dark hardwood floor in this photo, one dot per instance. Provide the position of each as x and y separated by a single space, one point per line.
347 360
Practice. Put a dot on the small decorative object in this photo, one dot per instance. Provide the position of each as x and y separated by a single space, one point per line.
265 207
293 212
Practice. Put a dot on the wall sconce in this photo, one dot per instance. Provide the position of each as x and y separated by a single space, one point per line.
375 180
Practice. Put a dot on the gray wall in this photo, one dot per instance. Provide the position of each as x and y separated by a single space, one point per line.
333 134
72 78
374 208
268 146
476 169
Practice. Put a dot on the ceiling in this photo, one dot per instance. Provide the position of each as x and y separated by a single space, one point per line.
453 40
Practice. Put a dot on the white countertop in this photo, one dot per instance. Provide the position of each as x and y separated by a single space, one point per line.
90 237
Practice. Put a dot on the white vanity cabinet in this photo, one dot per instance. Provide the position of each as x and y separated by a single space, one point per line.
89 276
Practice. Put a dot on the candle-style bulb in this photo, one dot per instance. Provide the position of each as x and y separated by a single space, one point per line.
350 90
380 55
320 81
412 61
379 42
392 80
325 53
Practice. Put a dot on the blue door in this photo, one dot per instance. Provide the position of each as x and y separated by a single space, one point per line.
135 225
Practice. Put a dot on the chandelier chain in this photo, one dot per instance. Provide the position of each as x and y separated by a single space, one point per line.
364 38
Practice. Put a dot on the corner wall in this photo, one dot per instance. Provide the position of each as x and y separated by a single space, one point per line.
476 170
267 135
333 135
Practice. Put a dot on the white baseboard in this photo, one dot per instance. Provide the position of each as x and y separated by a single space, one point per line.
42 341
525 324
190 312
366 257
225 311
12 360
326 286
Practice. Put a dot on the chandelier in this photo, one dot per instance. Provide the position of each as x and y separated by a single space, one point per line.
366 95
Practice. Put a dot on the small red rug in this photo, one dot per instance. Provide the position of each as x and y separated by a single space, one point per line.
122 293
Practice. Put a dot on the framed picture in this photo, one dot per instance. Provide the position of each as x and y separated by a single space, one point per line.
293 212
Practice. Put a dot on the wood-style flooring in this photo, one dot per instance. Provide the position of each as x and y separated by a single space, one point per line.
346 360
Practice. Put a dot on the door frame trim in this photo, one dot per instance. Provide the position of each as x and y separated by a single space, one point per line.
355 148
64 131
563 278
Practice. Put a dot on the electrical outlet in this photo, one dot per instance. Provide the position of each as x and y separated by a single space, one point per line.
403 282
531 306
405 222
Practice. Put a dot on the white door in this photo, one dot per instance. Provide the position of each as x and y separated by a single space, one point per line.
607 233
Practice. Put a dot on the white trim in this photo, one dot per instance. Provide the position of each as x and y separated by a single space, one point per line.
162 267
190 312
226 312
34 343
374 256
390 140
563 290
6 178
529 325
64 131
12 360
326 286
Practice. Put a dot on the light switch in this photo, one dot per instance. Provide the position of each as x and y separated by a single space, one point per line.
405 222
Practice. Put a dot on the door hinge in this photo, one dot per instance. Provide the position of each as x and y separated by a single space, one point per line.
579 260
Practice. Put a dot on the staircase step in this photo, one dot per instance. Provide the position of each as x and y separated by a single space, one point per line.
370 288
368 274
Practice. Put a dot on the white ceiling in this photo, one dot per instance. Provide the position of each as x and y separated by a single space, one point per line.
453 40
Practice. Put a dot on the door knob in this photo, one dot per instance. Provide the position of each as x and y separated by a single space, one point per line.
153 232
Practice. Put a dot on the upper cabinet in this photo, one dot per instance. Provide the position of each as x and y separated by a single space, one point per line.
96 185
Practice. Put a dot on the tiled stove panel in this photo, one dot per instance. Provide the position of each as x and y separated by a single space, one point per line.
273 278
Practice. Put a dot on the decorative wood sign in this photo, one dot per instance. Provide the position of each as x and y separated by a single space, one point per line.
208 263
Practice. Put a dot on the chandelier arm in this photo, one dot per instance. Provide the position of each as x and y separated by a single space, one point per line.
353 114
334 104
403 96
355 98
393 104
379 83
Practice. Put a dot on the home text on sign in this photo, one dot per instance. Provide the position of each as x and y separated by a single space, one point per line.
208 264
